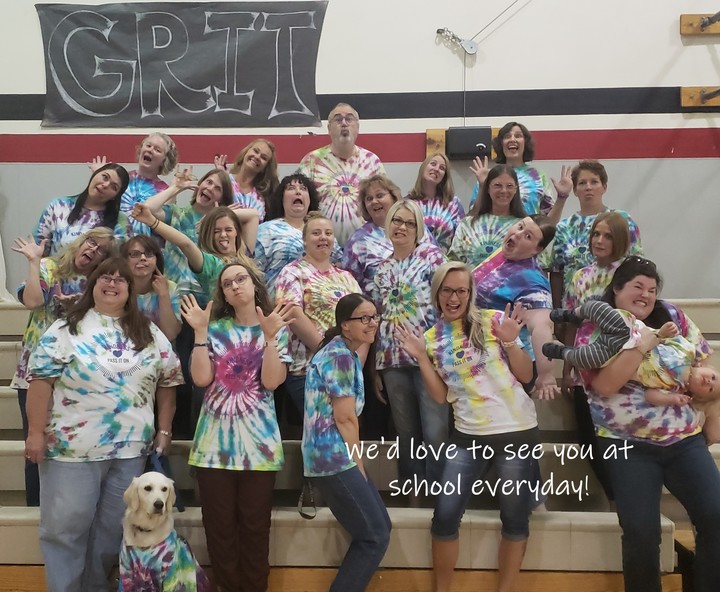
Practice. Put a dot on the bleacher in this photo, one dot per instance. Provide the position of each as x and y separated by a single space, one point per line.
574 545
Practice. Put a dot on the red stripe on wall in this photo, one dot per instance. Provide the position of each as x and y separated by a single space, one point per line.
403 147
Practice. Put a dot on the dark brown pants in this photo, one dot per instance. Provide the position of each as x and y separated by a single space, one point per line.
236 507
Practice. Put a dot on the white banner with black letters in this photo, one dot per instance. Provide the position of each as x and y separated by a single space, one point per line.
172 64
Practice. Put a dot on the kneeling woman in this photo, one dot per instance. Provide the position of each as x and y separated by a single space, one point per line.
473 359
334 397
240 356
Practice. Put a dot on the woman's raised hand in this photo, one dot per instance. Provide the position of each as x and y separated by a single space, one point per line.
565 185
220 161
281 316
196 316
509 328
96 163
28 248
410 341
143 214
184 179
480 167
160 284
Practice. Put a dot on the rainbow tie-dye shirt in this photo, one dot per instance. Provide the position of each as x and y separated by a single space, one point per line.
139 190
248 200
53 224
149 304
536 190
317 292
186 219
476 239
402 290
363 252
337 183
628 415
103 404
485 395
441 220
41 318
334 372
238 428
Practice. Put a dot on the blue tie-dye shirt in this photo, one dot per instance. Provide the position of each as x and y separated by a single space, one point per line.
238 429
103 403
536 190
139 190
186 219
334 371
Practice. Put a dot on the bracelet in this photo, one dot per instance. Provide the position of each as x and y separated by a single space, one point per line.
165 433
203 344
508 344
155 224
563 195
274 343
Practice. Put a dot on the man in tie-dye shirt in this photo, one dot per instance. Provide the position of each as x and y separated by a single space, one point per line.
337 169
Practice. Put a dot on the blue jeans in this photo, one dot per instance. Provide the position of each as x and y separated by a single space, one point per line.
687 469
32 477
357 505
416 416
81 510
295 387
467 468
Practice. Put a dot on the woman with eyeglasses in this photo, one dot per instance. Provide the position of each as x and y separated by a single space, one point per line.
335 396
99 380
481 233
53 284
253 175
314 286
157 296
515 146
67 218
473 359
646 446
240 356
401 289
435 193
369 245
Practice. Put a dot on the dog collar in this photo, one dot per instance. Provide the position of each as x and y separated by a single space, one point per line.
141 529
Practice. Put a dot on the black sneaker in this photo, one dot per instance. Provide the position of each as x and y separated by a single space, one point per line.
565 315
553 350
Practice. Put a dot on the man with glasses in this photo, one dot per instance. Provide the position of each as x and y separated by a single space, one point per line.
337 170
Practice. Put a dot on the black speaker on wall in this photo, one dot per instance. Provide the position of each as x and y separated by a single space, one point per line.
465 143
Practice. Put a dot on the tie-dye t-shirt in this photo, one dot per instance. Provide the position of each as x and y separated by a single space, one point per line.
363 252
186 219
499 281
589 282
628 415
570 250
402 290
238 429
317 292
139 190
476 239
248 200
44 316
485 395
104 393
149 303
335 371
337 183
53 224
536 190
441 220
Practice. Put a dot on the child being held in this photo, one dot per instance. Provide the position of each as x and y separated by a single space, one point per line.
667 372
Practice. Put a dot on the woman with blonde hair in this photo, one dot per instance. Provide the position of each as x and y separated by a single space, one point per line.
435 192
473 359
52 285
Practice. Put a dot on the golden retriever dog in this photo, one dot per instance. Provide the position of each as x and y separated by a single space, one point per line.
153 557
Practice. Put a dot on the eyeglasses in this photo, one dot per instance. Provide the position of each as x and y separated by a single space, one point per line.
409 224
93 244
136 254
461 292
118 280
239 279
366 319
349 118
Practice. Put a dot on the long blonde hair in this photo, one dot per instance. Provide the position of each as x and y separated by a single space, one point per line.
65 259
472 326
